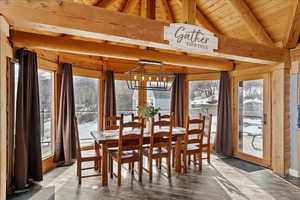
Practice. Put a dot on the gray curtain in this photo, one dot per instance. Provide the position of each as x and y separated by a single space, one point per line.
65 143
223 143
178 100
110 96
28 159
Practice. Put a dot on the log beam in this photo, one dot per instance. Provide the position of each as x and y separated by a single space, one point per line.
251 22
93 22
31 40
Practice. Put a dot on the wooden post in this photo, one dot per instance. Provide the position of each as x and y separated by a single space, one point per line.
280 119
189 11
5 51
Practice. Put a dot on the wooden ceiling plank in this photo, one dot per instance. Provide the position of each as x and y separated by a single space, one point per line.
130 6
167 10
293 27
148 8
93 22
251 22
106 3
189 11
201 19
31 40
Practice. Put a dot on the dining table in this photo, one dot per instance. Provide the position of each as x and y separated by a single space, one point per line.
106 139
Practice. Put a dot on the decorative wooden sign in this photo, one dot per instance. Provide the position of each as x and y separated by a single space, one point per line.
189 37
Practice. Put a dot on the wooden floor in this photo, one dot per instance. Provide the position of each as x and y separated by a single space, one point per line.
224 179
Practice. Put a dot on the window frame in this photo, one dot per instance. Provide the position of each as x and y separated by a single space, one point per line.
199 77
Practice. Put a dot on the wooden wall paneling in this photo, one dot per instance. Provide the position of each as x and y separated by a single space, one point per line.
167 11
5 51
280 120
148 9
113 26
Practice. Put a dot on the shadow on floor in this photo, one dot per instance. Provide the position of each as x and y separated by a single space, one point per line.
242 165
35 192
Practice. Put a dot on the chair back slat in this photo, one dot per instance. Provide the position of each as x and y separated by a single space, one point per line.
161 138
111 123
135 118
197 133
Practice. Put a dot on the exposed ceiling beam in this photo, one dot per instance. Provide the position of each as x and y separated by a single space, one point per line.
189 11
167 10
293 29
106 3
251 22
130 6
148 8
31 40
93 22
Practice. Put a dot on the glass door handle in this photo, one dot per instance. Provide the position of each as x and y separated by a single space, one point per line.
265 119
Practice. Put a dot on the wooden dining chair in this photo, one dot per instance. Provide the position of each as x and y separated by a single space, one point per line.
160 145
86 156
135 118
206 146
193 140
130 148
111 123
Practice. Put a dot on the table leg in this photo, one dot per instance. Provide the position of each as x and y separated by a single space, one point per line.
178 155
104 165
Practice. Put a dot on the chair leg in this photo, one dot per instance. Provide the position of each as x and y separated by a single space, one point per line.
200 161
150 169
79 172
132 168
141 169
195 159
173 157
184 162
189 160
119 174
169 165
208 154
159 163
111 167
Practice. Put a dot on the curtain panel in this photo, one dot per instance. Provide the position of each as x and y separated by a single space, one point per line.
178 102
223 143
110 97
28 158
65 141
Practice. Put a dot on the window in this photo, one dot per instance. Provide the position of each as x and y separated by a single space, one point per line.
203 98
126 99
160 99
46 114
86 92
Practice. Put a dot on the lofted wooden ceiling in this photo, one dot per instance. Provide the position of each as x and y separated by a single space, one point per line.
262 21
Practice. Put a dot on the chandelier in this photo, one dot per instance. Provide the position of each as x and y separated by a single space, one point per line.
139 79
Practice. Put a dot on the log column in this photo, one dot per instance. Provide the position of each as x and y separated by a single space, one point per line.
280 119
5 50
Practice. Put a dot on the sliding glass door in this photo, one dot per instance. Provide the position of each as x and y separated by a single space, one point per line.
252 138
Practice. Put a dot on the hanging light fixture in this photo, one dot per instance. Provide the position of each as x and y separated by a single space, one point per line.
139 79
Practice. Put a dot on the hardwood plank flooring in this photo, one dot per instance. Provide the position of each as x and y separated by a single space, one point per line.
225 178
